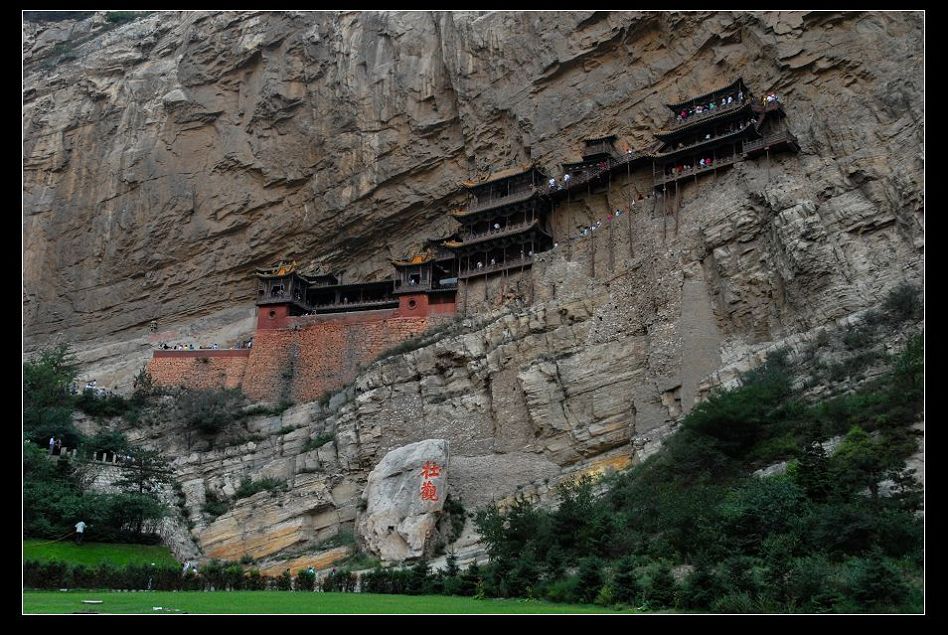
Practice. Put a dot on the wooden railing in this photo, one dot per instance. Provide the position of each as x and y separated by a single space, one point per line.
769 140
769 106
663 178
473 237
599 148
693 146
427 285
348 306
707 115
500 266
494 201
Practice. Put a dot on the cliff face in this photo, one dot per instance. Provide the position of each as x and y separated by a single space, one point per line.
175 153
167 157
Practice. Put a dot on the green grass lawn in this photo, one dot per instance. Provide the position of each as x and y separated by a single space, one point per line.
280 602
93 553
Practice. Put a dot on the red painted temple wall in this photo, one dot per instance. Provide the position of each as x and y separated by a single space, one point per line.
199 369
302 358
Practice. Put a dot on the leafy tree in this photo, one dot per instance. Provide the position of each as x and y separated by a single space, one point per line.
812 473
47 402
857 464
625 582
590 578
660 590
143 475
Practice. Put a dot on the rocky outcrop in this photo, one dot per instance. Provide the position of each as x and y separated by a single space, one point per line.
403 497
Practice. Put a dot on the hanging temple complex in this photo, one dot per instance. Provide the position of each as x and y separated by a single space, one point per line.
315 332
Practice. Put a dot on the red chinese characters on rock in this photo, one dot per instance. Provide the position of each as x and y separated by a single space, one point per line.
428 490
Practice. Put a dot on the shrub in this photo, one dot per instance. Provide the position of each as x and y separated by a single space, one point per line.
874 584
214 505
590 578
457 515
660 590
249 488
564 591
305 579
903 303
254 581
739 602
341 580
625 585
285 581
107 406
107 441
120 17
700 589
210 411
318 441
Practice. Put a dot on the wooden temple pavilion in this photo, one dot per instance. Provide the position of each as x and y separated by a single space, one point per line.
506 223
433 271
597 152
507 220
322 293
715 130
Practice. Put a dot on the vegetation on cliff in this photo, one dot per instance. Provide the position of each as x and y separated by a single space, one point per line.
820 537
57 494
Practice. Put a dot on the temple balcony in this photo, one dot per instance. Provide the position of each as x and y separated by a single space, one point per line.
661 179
771 106
513 263
782 139
473 238
704 143
496 201
596 173
427 286
704 117
360 305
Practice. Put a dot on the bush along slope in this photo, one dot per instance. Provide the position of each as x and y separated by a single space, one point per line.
691 528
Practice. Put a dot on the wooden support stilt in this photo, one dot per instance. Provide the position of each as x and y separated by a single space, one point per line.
611 255
592 253
631 207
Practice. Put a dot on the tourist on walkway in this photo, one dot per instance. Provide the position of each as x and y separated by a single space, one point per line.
52 442
58 447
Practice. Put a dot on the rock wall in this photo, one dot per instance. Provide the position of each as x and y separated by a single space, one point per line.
199 369
317 356
306 359
167 157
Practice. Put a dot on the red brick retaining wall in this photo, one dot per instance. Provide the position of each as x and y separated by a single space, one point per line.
199 369
303 357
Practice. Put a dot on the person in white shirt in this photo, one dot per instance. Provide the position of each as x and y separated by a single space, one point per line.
80 531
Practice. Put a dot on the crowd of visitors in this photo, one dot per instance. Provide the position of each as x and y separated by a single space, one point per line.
165 346
709 106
